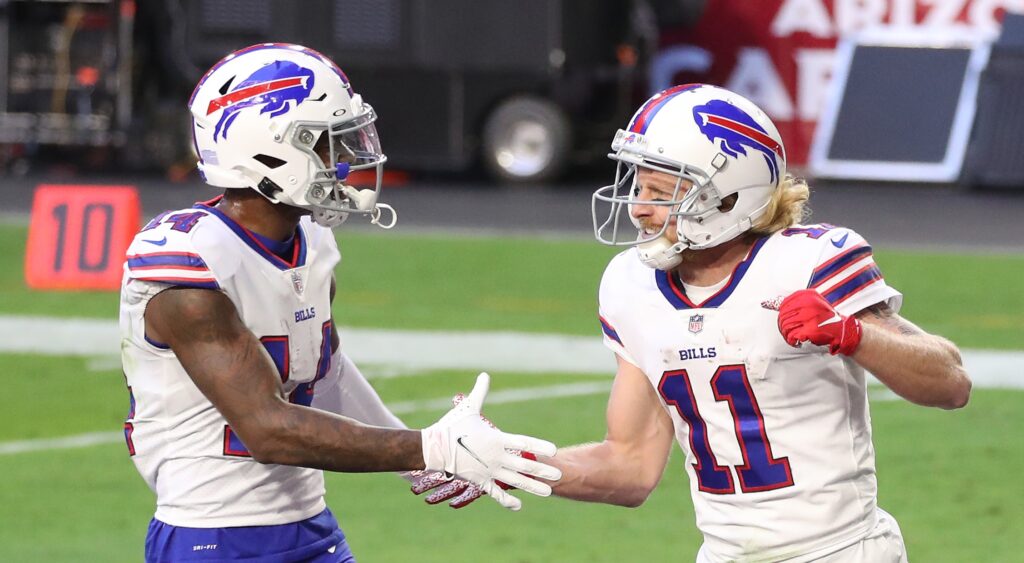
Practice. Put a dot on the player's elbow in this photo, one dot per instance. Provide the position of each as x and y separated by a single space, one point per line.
264 455
259 441
637 492
272 448
960 390
266 434
961 399
260 449
634 498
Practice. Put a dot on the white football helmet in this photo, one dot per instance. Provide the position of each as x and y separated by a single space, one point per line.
705 135
282 119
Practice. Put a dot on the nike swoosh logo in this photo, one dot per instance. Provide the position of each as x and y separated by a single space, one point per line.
160 242
839 243
835 319
469 451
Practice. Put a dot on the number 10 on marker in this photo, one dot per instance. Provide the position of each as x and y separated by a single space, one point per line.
78 236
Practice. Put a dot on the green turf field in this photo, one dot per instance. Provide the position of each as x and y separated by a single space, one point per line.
435 282
947 476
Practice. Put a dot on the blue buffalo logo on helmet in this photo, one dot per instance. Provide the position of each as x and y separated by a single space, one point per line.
720 120
272 87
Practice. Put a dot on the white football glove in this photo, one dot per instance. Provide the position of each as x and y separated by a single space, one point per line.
444 487
461 443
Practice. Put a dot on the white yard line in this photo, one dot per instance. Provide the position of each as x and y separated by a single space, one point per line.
505 396
67 442
501 397
392 352
395 350
441 404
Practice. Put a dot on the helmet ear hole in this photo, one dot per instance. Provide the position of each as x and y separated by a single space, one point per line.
728 203
270 162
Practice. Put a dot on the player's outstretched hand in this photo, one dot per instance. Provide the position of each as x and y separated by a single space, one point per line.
462 444
460 493
805 316
444 487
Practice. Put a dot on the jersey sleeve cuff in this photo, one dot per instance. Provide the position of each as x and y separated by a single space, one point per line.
619 350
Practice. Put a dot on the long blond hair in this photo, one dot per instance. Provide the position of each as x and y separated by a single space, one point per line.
786 207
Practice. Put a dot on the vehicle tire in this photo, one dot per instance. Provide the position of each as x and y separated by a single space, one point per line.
526 139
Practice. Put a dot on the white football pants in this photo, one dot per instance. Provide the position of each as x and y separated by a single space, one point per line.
883 544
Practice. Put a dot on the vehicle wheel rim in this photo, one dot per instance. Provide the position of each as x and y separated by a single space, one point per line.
525 149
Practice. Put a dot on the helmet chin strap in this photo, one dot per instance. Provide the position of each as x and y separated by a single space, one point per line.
711 238
359 200
366 200
660 253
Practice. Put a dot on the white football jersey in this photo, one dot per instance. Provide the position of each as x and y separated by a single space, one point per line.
777 439
201 472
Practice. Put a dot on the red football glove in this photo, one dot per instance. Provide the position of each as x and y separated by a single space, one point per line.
806 316
461 493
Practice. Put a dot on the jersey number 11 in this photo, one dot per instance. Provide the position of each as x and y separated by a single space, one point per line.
760 470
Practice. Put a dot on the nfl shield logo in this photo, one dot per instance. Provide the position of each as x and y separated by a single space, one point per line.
297 282
696 323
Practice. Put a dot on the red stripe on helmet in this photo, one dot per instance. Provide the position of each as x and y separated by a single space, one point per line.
639 124
248 92
747 131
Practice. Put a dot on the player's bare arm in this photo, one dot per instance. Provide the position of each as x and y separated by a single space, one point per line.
923 368
349 394
920 367
230 367
626 467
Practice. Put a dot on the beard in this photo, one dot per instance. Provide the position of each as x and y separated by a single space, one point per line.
647 225
687 256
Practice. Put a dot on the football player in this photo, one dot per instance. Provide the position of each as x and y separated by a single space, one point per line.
745 336
228 337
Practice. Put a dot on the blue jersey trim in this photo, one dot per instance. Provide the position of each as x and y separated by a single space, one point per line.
845 290
672 287
828 269
156 344
248 237
609 331
167 259
181 282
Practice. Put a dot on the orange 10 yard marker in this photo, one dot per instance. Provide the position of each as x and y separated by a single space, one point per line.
78 236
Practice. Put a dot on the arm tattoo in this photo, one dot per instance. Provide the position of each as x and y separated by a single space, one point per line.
887 318
230 367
